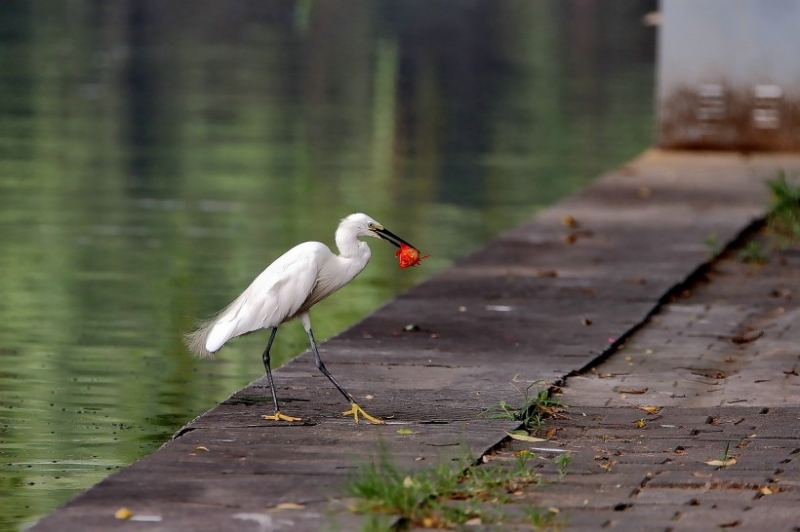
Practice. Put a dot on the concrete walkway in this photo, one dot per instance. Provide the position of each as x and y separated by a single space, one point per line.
548 300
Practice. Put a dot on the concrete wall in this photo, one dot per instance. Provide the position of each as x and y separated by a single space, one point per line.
729 74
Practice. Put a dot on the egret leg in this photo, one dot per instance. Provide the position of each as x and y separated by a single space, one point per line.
265 358
355 410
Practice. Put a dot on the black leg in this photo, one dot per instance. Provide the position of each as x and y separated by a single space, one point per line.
324 370
355 410
265 359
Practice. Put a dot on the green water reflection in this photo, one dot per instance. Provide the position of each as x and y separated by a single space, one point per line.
155 156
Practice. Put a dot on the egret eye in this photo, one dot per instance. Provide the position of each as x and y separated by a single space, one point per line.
371 225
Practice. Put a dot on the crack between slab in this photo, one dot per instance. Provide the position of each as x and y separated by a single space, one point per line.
725 485
696 275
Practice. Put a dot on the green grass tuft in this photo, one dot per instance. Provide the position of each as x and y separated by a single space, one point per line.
543 519
441 497
784 217
753 252
535 408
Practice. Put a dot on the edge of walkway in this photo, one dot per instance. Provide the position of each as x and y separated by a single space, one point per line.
541 301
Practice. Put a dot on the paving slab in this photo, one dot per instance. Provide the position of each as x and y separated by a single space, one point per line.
547 300
719 361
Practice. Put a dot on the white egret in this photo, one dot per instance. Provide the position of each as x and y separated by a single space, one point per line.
287 289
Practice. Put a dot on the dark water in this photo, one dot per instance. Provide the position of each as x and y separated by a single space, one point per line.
155 156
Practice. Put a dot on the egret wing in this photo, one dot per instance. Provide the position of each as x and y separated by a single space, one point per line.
274 296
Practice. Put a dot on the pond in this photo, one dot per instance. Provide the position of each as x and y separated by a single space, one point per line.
155 156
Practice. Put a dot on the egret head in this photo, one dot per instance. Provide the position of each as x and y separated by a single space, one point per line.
360 224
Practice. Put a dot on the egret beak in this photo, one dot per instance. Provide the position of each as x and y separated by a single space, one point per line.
391 237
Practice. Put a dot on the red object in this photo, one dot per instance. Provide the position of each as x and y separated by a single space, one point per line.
409 256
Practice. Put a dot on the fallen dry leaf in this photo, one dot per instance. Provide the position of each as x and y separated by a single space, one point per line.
201 448
766 491
722 463
409 482
651 409
640 423
550 410
405 431
429 522
521 435
569 221
746 338
290 506
123 513
606 464
639 391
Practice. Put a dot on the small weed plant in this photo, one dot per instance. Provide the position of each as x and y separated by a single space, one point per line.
562 463
784 216
753 252
442 497
537 405
713 244
783 220
543 518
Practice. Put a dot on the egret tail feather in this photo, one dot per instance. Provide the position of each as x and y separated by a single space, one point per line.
196 340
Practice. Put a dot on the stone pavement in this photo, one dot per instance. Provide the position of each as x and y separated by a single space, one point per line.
714 375
549 300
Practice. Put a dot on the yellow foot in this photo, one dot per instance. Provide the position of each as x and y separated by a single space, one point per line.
355 410
282 417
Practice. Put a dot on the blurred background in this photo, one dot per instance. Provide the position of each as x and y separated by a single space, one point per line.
156 155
